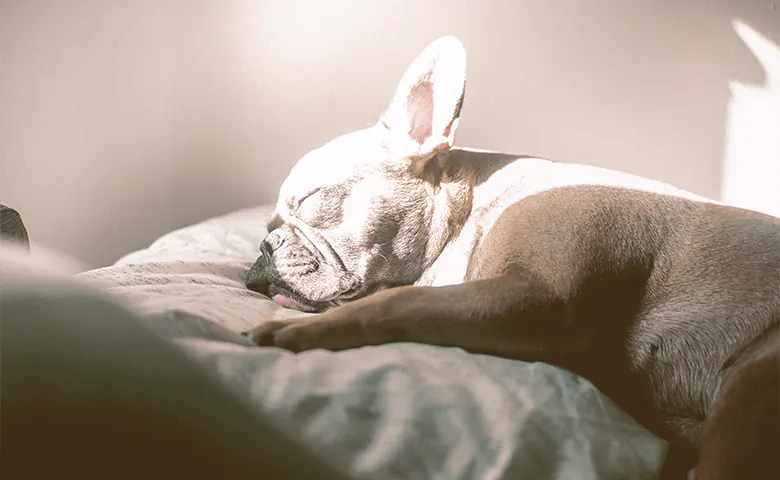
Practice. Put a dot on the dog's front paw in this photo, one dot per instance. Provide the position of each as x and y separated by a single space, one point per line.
264 335
288 334
304 334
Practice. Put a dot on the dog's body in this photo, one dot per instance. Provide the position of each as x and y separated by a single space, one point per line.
652 293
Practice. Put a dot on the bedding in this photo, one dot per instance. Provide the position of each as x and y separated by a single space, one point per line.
405 411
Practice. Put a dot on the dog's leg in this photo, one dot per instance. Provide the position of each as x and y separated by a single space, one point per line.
511 315
741 436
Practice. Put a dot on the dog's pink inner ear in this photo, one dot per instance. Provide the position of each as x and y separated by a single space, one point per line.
420 109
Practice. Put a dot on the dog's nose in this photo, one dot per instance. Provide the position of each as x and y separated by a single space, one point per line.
272 242
276 238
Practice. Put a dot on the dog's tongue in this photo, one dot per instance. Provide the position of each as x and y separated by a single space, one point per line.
286 302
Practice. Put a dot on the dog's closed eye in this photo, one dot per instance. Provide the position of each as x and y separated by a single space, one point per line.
303 198
323 207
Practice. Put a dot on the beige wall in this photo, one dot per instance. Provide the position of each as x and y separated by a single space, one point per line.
121 120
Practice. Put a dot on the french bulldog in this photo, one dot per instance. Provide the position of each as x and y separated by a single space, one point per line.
654 294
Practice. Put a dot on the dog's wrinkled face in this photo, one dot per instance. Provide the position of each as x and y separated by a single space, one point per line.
356 215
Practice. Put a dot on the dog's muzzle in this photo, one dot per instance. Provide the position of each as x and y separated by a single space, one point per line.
257 278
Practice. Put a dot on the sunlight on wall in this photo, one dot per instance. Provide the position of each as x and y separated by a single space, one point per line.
751 172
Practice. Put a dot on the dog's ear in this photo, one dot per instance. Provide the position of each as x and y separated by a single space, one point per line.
426 106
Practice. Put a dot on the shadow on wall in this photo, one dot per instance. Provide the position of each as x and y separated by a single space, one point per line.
751 168
655 102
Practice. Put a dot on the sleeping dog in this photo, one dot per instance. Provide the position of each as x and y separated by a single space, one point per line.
668 302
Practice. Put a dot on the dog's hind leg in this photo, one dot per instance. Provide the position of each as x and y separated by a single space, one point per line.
741 435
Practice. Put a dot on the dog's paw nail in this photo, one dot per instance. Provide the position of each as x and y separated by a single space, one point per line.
245 334
265 335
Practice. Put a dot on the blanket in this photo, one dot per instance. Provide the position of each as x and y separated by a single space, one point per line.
405 411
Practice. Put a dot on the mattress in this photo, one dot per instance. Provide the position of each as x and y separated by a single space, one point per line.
405 411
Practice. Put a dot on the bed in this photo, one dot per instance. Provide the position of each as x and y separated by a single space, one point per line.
405 411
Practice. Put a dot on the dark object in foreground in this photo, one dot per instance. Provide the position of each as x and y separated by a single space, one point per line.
12 228
91 393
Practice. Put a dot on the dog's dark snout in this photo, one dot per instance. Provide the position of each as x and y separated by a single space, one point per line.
256 279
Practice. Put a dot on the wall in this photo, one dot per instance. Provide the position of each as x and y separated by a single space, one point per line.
122 120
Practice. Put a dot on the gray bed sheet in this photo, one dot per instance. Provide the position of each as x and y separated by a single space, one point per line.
405 411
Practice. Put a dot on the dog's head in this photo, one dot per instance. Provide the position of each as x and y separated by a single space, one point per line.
362 212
